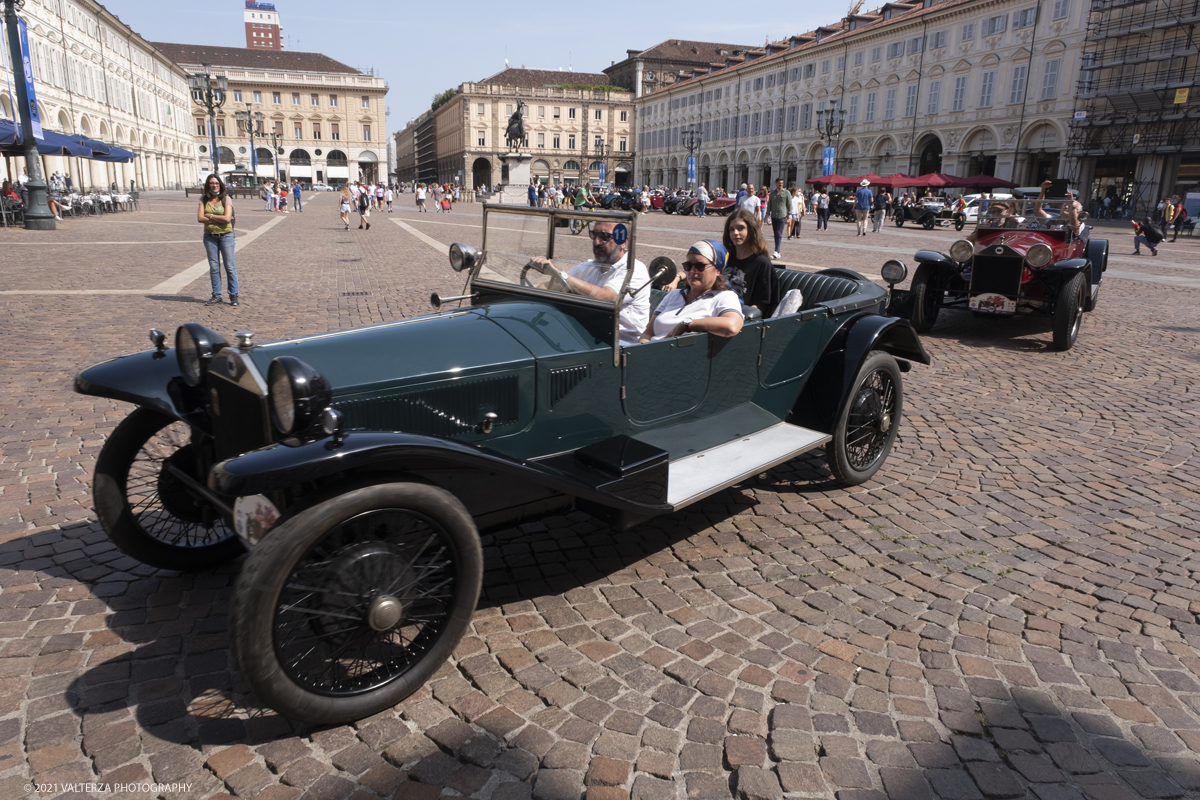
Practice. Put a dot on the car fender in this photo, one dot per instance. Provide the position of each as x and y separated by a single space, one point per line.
287 464
1097 253
151 379
933 257
1068 265
833 376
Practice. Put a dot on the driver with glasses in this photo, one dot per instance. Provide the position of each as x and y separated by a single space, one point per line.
602 277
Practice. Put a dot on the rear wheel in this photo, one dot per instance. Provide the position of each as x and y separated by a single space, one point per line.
147 509
1068 312
351 605
928 222
899 220
927 298
868 422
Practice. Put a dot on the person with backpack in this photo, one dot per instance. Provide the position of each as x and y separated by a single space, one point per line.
1180 217
1145 234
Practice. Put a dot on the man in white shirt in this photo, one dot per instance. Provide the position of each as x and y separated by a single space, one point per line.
603 276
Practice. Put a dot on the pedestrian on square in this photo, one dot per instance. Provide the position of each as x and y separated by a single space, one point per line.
779 205
216 215
296 195
446 202
702 203
265 194
797 213
379 197
388 197
421 199
1181 217
748 270
283 197
364 210
749 200
879 210
1146 234
346 199
821 201
863 200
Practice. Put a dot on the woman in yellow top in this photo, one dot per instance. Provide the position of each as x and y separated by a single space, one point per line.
216 215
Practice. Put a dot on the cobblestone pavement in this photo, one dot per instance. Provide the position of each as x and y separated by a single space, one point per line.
1009 609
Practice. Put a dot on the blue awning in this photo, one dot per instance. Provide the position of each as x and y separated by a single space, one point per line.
57 144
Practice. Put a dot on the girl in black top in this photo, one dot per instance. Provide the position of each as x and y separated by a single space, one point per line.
749 270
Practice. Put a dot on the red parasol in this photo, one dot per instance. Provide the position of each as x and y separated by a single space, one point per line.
934 180
828 180
986 182
876 180
899 179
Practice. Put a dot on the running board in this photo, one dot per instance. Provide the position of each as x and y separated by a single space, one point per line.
695 477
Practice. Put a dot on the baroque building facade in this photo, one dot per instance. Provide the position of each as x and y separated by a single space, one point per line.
957 86
573 122
98 78
329 119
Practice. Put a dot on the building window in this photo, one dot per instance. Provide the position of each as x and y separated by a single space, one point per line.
876 55
481 139
825 67
895 50
1062 8
570 113
237 95
599 114
314 99
258 97
939 40
910 102
220 127
366 101
889 106
755 124
298 131
935 94
624 116
334 132
870 115
916 44
1020 72
279 128
571 142
960 93
366 133
779 119
1025 18
541 140
556 142
745 124
806 116
795 77
276 98
770 80
987 85
508 109
841 63
597 142
858 58
758 84
994 26
766 124
810 70
479 109
621 146
725 128
555 112
295 98
968 32
1050 79
201 127
853 109
541 112
333 101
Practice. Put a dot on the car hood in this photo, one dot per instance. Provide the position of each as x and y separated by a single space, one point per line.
1017 241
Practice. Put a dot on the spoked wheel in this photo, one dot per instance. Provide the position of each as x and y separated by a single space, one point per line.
348 607
1068 312
928 222
869 421
147 509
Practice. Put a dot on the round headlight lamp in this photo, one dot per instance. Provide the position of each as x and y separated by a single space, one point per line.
462 256
1039 255
297 393
962 250
195 346
894 271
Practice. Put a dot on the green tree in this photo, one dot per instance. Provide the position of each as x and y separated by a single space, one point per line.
443 98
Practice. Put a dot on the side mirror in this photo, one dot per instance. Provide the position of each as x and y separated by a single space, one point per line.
662 271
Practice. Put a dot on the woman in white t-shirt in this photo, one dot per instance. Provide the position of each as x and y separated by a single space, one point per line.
705 304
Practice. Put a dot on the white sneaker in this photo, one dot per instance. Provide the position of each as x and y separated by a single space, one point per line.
774 255
58 218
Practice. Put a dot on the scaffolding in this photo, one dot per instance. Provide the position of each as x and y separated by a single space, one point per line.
1137 92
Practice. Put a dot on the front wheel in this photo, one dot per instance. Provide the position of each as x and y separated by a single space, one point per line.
1068 312
899 221
148 511
959 222
927 297
928 222
869 421
350 606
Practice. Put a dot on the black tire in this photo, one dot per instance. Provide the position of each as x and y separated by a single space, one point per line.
928 222
1097 253
147 512
868 422
312 630
1068 311
927 298
959 222
899 221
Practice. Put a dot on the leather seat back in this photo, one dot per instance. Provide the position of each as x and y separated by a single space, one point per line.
815 288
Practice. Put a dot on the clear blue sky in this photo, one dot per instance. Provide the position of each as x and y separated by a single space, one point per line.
424 48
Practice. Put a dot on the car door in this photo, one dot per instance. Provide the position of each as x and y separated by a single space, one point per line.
664 379
790 346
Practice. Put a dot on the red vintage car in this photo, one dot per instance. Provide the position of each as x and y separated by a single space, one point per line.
1024 257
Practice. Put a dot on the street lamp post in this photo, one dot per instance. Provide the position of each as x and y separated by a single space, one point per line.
253 122
830 123
38 216
691 141
211 97
276 151
601 152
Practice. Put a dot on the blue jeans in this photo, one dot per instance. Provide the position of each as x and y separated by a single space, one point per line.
296 201
778 225
1140 240
220 248
700 206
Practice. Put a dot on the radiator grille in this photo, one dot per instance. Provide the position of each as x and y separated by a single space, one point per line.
240 422
562 381
437 411
996 274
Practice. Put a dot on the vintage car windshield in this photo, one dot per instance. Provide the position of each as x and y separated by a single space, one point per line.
513 235
1023 214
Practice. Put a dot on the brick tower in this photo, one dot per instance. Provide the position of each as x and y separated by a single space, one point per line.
262 26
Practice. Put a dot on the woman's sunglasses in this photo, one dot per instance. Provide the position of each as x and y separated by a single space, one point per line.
695 266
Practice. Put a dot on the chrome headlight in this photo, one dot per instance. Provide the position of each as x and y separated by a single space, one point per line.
195 346
894 271
298 394
1039 255
463 256
962 250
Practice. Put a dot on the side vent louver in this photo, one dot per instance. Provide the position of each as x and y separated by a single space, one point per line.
562 381
438 411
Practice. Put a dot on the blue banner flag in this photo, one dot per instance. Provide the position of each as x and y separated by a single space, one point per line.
827 162
34 113
602 172
691 169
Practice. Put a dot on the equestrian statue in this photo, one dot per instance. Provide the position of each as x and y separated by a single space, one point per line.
515 136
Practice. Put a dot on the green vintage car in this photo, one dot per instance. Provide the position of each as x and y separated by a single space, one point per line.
358 467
